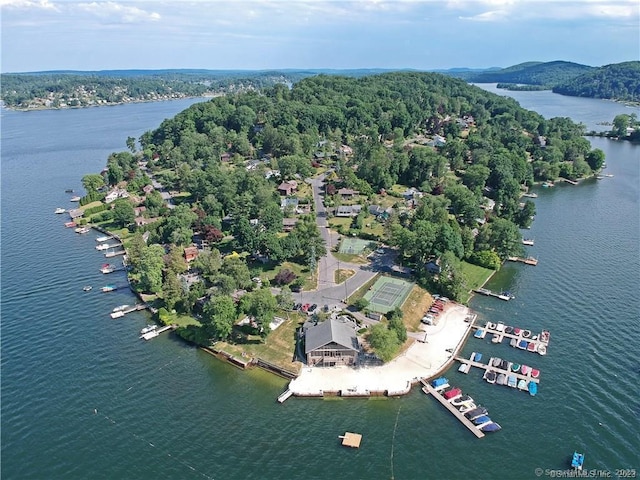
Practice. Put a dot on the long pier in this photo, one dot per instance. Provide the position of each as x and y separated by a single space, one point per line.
488 366
135 308
527 261
158 331
489 293
114 254
428 389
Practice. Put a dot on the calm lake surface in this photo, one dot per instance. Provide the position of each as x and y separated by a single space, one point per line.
166 410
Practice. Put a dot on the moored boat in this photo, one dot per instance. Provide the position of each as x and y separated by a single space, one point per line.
117 314
481 419
545 336
109 288
535 373
577 460
522 385
497 338
523 344
467 407
107 268
491 326
525 369
59 210
515 367
440 383
103 239
461 400
490 376
102 246
532 347
148 328
508 329
500 326
464 368
75 199
453 393
477 357
480 333
119 308
514 342
82 230
517 330
87 288
490 427
502 379
475 412
512 381
526 333
533 388
496 362
542 349
70 224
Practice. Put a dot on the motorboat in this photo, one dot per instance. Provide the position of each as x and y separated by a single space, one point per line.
523 344
532 347
533 388
522 385
476 412
525 369
490 376
82 230
108 268
512 381
472 356
515 367
535 373
500 326
517 331
109 288
496 362
544 336
504 365
440 383
502 379
514 342
464 368
70 224
467 407
453 393
59 210
148 328
508 329
477 357
577 460
480 333
542 349
491 326
75 198
490 427
103 239
462 399
526 333
481 419
102 246
497 338
121 308
87 288
117 314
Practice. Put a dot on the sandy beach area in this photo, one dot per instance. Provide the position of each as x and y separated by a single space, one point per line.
425 358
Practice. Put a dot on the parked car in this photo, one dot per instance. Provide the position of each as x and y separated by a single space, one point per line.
312 308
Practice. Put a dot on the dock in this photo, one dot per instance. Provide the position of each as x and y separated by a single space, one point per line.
135 308
284 396
488 366
114 254
428 389
489 293
518 337
157 332
350 439
527 261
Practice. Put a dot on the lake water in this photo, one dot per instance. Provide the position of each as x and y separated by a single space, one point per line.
83 397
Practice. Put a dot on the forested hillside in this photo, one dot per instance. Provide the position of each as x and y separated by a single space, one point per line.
620 81
546 74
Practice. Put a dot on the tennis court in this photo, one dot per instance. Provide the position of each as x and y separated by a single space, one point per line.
354 246
388 293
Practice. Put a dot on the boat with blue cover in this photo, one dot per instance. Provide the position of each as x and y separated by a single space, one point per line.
475 412
577 460
440 383
477 357
533 388
480 333
512 381
481 419
490 427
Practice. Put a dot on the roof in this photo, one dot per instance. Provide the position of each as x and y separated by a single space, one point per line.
329 331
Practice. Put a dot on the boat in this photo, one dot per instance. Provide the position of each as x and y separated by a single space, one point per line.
477 357
148 328
102 246
59 210
109 288
467 407
599 177
514 342
472 356
108 268
480 333
504 365
530 195
515 367
440 383
544 336
481 419
528 241
70 224
547 184
577 460
523 344
497 338
69 190
476 412
121 308
535 373
496 362
491 326
532 347
75 199
117 314
608 175
464 368
526 333
458 401
103 239
517 330
500 325
82 230
525 369
522 385
502 379
490 427
490 376
533 388
87 288
508 329
453 393
512 381
542 349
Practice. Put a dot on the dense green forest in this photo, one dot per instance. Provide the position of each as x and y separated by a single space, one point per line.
620 81
468 153
548 74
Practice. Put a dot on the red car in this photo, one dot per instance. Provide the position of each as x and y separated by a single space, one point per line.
305 307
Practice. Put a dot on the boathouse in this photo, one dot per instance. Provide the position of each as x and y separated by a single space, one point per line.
331 343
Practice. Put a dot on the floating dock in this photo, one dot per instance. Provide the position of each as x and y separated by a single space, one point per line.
428 389
156 332
114 254
350 439
488 366
527 261
284 396
519 337
135 308
489 293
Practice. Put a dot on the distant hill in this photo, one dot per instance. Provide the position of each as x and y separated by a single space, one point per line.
543 74
619 81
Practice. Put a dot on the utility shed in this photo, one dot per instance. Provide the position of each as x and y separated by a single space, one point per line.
331 343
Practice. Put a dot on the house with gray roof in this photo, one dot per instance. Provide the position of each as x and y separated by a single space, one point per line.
348 210
331 343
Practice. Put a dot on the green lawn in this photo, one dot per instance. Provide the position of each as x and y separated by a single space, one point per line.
476 277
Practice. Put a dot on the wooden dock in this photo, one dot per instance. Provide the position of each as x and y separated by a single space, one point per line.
518 337
158 331
114 254
489 293
428 389
135 308
284 396
350 439
485 366
527 261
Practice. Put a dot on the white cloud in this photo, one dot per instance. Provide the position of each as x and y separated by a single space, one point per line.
29 4
115 12
492 16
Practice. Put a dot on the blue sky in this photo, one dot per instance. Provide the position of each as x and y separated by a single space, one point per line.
264 34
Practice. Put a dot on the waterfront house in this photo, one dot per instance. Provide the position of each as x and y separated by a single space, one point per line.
348 210
190 253
331 343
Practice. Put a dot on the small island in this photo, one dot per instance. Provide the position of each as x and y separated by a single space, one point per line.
340 222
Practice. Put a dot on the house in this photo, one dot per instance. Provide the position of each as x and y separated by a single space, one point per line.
348 210
287 188
331 343
345 150
147 189
111 196
225 157
288 224
289 202
190 253
347 193
75 213
433 267
412 193
138 211
379 212
142 221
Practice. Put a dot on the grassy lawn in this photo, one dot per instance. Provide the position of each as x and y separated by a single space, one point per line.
476 277
342 275
278 348
414 308
336 222
373 227
180 320
268 271
346 257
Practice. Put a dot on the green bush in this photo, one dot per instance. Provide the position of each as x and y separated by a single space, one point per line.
92 197
98 208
